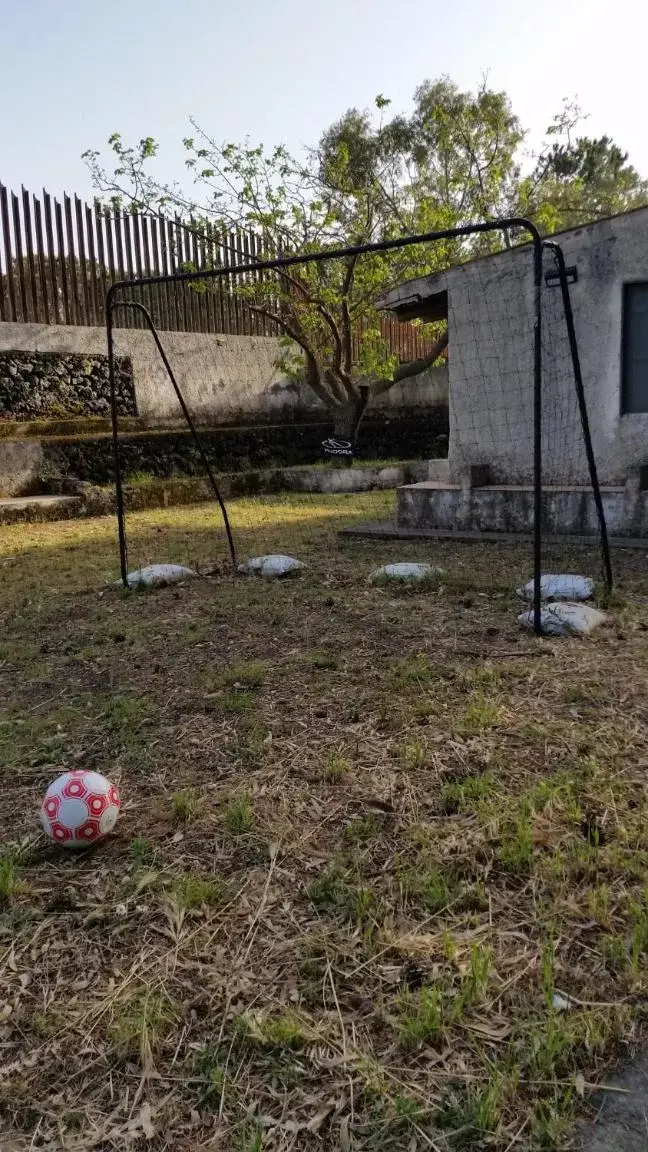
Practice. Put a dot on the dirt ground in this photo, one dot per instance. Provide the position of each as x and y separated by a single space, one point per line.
379 879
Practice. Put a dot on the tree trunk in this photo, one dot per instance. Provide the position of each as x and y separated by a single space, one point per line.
347 417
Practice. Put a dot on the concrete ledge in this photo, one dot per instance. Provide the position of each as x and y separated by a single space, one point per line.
37 508
393 532
360 478
68 497
510 509
439 470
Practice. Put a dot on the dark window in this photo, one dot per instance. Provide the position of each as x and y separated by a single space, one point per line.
634 388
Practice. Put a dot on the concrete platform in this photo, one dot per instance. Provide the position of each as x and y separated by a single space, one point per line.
620 1122
19 508
508 508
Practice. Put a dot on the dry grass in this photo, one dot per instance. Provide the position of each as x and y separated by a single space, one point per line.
380 875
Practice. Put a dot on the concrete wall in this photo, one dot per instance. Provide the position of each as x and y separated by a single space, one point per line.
220 376
21 463
427 390
223 378
490 317
570 512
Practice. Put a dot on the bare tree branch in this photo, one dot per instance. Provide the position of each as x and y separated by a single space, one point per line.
405 371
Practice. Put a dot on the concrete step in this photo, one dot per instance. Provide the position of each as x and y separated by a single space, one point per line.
439 485
388 531
568 510
14 509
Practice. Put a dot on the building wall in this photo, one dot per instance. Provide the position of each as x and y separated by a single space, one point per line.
224 379
491 359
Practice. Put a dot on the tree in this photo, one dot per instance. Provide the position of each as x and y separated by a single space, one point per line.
455 159
578 178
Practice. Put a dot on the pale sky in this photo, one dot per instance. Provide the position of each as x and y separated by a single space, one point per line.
73 71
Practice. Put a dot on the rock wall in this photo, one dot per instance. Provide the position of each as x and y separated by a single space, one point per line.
167 454
41 385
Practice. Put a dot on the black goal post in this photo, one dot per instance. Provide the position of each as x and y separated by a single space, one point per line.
117 298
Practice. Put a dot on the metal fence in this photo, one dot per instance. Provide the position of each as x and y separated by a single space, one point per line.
58 257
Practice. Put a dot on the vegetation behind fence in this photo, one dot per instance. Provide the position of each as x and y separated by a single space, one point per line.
57 260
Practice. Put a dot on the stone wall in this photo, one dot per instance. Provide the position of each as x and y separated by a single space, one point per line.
44 385
231 450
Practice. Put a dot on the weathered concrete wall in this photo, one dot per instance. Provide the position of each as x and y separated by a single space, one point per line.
423 392
490 318
223 378
21 462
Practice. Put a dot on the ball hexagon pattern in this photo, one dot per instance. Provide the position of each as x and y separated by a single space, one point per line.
79 808
74 788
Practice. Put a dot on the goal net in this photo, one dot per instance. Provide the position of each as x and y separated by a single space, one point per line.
291 430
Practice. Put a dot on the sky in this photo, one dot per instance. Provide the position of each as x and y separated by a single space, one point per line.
280 71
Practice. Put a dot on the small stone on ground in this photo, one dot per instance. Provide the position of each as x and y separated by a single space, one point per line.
157 575
413 572
273 565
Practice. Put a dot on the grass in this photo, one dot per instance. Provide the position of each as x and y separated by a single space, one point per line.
335 768
139 1024
284 1030
421 1017
367 843
140 477
8 879
185 805
190 891
142 851
465 795
248 675
238 814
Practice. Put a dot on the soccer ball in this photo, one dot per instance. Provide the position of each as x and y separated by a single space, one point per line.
79 808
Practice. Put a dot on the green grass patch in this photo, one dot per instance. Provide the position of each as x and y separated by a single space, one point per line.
185 805
238 814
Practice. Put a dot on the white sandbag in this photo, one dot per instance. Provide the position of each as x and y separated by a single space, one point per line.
157 575
273 565
405 572
555 586
565 619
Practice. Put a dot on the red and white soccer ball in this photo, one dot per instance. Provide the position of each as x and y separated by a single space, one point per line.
79 808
